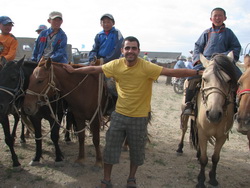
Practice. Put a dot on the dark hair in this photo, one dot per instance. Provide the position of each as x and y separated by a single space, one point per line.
131 39
220 9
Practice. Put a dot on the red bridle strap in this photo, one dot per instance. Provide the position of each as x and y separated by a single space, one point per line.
240 92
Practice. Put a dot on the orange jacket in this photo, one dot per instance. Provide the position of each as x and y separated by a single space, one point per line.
8 46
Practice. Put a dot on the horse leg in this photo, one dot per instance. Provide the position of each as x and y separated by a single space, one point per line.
55 138
203 161
16 120
38 135
95 129
215 159
184 126
22 137
81 139
69 123
248 137
9 139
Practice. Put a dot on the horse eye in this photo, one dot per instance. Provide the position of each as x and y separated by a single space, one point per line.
40 81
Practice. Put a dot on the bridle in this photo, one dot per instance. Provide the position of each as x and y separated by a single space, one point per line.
206 91
17 92
240 93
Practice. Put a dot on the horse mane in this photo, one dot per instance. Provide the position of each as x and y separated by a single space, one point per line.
41 63
8 64
222 62
30 63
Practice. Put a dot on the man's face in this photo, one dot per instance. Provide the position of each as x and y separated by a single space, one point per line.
56 22
107 24
218 18
6 29
130 51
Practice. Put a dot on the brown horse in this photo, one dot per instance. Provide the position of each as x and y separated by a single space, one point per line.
85 97
243 115
215 111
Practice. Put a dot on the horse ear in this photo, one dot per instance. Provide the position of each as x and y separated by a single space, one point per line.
246 61
21 61
47 63
204 61
3 61
231 56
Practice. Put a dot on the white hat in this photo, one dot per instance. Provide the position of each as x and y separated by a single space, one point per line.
55 14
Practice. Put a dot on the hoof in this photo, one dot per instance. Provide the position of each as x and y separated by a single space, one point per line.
59 164
17 168
34 163
99 164
80 161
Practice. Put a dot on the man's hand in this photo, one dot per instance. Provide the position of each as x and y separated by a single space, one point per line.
68 68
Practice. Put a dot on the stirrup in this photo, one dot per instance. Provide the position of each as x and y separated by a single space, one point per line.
188 110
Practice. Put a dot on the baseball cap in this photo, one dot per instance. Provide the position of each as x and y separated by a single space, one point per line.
182 57
55 14
5 20
108 16
41 27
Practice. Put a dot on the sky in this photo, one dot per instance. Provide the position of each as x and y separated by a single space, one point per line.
159 25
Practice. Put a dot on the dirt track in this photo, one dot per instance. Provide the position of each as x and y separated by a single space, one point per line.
162 168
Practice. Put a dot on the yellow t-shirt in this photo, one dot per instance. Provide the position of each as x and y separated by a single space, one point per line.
8 46
134 85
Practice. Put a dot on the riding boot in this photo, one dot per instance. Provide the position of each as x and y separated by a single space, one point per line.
188 101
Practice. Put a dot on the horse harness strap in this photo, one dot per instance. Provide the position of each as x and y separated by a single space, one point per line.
240 93
214 90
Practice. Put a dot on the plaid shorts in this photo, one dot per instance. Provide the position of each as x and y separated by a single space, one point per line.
135 129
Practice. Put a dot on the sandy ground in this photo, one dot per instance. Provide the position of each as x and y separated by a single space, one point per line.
163 168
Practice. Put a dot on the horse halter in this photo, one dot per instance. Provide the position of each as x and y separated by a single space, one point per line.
51 85
206 91
240 93
17 92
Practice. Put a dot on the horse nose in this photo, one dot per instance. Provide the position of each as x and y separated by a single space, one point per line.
213 116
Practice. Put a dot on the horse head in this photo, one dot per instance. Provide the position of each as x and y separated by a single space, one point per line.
11 84
243 99
41 87
218 84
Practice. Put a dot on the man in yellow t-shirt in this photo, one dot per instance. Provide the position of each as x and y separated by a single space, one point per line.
8 42
134 77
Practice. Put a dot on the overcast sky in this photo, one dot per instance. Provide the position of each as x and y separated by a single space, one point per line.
160 25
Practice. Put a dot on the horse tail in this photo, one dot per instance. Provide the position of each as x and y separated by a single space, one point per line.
193 137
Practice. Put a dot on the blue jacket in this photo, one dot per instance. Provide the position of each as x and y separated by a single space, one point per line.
180 65
221 40
59 53
107 46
